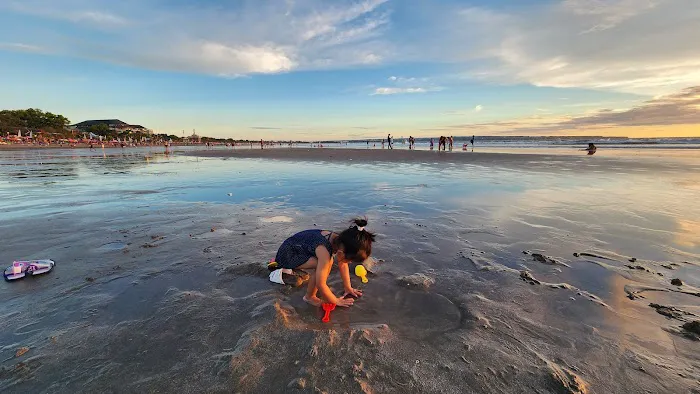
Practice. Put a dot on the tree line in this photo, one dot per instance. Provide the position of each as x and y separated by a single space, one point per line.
32 119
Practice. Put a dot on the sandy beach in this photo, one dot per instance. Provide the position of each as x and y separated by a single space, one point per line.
494 273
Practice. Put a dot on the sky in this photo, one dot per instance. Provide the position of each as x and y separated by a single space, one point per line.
355 69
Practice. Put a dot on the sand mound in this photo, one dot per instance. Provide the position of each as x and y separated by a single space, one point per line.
416 281
246 269
565 381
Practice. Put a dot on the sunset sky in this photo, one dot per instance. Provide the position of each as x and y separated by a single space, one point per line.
345 69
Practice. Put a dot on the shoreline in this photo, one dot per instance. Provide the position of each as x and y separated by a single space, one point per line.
577 161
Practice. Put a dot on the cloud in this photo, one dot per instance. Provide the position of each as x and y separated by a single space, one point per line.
636 46
96 17
67 12
607 14
681 108
478 108
389 91
20 47
232 39
407 85
645 47
220 58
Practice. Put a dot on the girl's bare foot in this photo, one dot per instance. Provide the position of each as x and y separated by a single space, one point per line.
315 301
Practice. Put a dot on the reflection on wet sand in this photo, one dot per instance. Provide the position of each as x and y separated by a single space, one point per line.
161 284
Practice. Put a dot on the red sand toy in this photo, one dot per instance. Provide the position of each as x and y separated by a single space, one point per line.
327 307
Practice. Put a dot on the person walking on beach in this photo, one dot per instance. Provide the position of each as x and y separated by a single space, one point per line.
313 251
261 144
388 139
472 142
451 139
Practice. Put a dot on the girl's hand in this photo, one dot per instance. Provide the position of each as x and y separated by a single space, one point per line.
352 292
345 302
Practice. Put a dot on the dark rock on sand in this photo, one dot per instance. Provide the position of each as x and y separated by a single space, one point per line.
693 327
527 277
676 282
671 311
547 260
416 281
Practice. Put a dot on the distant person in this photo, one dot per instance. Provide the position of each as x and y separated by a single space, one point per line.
382 143
472 142
388 139
591 149
313 252
451 141
92 148
431 144
261 144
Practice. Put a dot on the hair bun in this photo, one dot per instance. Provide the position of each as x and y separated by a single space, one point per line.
360 222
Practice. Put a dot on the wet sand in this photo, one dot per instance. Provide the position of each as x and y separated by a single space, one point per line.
490 293
511 159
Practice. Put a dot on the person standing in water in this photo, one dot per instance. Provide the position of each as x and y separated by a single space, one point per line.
388 139
431 144
472 142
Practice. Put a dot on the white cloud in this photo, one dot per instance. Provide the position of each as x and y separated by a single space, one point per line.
67 12
96 17
636 46
222 59
242 37
21 47
639 46
606 14
388 91
478 108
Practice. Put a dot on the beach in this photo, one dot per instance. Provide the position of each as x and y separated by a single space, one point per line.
492 272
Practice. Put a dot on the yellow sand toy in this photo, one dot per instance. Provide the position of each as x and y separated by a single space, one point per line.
361 272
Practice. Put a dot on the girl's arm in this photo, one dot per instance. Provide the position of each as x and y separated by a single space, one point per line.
325 262
344 269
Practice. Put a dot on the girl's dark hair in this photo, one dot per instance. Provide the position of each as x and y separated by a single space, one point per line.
357 244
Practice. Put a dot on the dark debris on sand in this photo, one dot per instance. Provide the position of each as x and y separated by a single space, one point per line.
671 311
693 327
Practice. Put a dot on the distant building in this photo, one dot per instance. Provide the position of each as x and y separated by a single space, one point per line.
193 139
113 124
